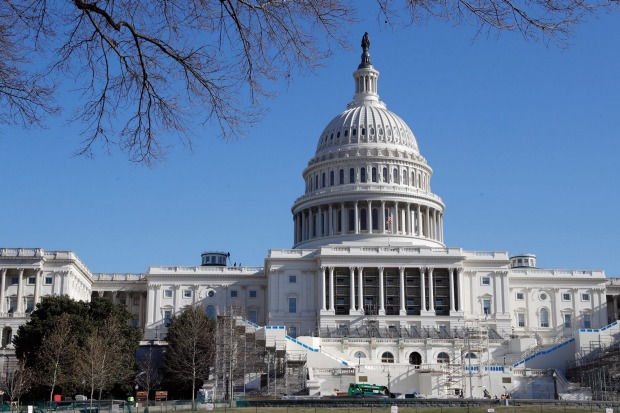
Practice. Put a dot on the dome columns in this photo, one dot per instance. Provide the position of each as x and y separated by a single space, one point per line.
369 218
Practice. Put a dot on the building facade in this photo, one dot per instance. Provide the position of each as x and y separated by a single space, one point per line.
369 289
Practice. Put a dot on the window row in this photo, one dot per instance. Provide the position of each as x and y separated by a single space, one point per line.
31 280
387 135
565 296
543 319
169 293
363 175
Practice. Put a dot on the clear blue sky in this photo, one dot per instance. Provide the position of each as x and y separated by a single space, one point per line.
523 139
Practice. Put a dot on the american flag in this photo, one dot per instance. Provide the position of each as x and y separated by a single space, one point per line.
388 222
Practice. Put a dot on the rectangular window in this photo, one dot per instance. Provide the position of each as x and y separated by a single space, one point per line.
31 280
292 279
521 319
48 280
252 293
136 301
167 316
292 305
252 316
122 301
486 306
586 321
565 296
187 293
585 297
233 293
14 280
567 321
520 296
29 305
485 281
167 293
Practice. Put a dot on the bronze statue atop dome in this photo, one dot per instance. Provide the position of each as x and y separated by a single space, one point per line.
365 54
365 42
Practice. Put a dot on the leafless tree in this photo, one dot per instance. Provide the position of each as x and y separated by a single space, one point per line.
102 361
55 358
148 377
190 352
549 19
148 69
17 382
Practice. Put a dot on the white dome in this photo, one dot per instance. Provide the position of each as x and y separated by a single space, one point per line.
371 125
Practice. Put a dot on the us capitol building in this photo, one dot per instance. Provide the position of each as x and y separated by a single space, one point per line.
369 292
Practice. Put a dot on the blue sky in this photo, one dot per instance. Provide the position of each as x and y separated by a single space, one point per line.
523 138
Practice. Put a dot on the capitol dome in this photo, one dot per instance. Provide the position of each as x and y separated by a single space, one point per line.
367 181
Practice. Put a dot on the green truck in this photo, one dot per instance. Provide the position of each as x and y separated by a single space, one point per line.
368 390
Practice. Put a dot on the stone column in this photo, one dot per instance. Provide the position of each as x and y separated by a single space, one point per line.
150 307
381 293
420 227
3 284
177 297
422 290
428 222
369 217
403 307
382 219
343 219
360 289
20 292
431 291
396 220
311 227
157 309
356 217
352 289
408 220
459 287
452 306
615 297
441 227
323 289
37 286
331 289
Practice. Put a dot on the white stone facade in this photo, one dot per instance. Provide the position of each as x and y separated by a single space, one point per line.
369 287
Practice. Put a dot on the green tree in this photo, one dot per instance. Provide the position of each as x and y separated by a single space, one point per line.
190 352
33 341
145 69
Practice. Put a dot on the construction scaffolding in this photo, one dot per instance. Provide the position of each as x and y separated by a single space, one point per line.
247 366
598 368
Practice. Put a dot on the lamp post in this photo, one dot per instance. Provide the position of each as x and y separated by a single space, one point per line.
556 396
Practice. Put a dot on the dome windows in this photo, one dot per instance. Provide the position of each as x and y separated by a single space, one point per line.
346 133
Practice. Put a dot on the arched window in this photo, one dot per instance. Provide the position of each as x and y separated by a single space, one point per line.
544 317
412 178
405 177
363 220
331 178
362 174
323 180
415 358
359 355
211 312
385 175
395 176
387 357
316 182
374 174
342 177
352 175
471 356
443 357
